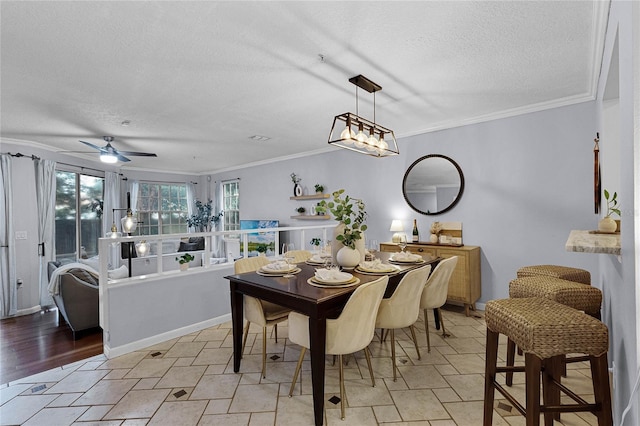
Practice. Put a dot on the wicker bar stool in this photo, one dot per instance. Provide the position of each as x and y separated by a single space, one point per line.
546 331
578 296
563 272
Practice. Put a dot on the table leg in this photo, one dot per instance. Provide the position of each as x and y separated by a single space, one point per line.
236 321
317 341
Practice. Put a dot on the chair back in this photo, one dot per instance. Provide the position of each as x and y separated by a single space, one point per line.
249 264
300 256
403 307
353 330
434 294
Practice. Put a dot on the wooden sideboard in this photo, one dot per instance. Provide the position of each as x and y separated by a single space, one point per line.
465 283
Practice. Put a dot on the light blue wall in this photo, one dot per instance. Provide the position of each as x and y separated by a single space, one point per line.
528 180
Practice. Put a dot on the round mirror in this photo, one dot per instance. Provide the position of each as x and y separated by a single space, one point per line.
433 184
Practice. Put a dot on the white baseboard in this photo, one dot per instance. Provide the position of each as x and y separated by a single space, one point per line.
159 338
28 311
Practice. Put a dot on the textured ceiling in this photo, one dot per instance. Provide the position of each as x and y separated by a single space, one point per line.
198 79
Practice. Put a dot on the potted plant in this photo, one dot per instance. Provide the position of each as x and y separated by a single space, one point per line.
184 261
351 214
301 210
202 219
319 188
315 243
261 249
607 224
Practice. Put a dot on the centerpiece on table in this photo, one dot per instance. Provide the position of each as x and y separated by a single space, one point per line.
348 244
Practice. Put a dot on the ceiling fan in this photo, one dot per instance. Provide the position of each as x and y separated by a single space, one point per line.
108 154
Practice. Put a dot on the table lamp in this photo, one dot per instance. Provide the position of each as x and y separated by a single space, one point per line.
396 226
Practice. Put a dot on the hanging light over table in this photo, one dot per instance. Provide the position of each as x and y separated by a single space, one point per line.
350 131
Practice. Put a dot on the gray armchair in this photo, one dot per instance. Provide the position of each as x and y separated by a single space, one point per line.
77 297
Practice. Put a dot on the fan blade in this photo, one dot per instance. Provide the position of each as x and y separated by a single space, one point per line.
99 148
139 154
122 157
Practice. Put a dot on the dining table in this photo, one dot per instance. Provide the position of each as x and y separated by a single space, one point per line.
318 303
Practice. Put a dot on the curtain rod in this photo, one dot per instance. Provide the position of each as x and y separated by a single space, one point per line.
158 181
19 155
34 157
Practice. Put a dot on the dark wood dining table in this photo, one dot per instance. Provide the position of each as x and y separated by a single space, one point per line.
317 303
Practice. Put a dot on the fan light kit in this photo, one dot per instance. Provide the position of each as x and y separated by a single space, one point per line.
371 138
110 155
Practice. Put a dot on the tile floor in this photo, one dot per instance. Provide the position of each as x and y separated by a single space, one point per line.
190 381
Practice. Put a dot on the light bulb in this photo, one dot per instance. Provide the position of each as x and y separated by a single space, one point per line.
361 138
382 144
372 142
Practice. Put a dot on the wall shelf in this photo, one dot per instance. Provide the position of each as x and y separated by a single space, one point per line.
311 217
310 197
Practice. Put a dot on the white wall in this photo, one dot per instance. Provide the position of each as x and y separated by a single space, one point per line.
617 277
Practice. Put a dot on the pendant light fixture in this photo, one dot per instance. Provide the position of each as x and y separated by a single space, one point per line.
371 138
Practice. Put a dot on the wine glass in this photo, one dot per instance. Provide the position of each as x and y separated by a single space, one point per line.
372 248
287 254
403 243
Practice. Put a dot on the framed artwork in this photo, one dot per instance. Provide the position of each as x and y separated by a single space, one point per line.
260 242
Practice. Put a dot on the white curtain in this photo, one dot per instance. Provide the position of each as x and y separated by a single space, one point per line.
191 200
111 201
132 189
46 203
219 248
8 294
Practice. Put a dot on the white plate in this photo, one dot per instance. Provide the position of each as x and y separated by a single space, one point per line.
387 268
339 278
267 270
278 274
352 282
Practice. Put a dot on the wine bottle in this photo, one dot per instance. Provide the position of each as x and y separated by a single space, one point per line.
416 236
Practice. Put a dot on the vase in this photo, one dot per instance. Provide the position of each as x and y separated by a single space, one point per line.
361 247
335 244
607 225
348 258
184 266
297 190
433 238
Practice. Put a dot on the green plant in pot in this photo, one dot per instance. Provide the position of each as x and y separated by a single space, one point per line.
351 214
607 224
319 188
184 260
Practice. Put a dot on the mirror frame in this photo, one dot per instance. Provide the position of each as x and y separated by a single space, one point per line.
415 163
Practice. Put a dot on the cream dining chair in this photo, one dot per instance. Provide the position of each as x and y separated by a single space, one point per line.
403 308
300 256
435 291
352 331
258 311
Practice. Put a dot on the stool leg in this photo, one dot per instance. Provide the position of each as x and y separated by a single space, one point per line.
511 354
601 390
551 392
533 366
491 360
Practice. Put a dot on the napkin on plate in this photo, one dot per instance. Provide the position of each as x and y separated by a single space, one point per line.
277 266
406 257
376 265
316 258
332 275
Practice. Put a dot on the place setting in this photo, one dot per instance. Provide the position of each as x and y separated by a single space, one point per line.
278 268
318 258
376 267
405 257
332 277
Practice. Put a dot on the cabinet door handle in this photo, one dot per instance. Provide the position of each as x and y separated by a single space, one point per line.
421 249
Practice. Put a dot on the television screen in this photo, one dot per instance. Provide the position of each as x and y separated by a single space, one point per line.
260 242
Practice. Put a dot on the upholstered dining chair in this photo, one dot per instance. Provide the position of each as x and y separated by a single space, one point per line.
403 308
435 291
300 256
352 331
258 311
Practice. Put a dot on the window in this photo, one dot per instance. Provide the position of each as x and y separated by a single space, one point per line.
231 205
162 208
78 215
